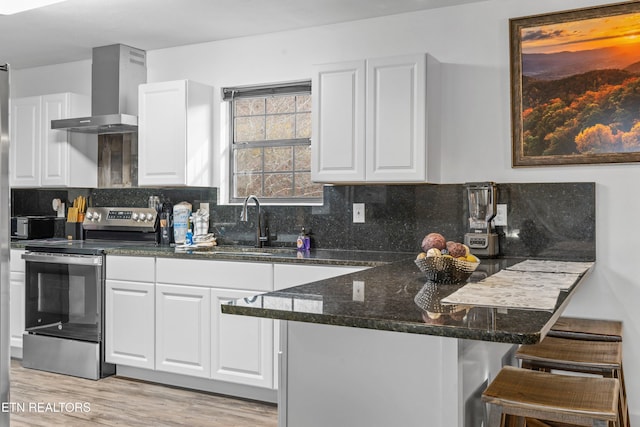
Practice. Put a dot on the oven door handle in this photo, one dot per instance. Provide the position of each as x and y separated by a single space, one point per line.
62 259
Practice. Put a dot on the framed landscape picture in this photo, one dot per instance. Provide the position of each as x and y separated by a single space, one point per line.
575 86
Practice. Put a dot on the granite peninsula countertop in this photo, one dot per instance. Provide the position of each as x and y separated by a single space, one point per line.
386 298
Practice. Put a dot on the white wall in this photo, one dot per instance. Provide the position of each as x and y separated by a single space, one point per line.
471 42
69 77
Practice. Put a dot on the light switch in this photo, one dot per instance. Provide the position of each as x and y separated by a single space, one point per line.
358 212
358 290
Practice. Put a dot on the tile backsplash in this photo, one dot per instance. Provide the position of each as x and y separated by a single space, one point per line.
546 220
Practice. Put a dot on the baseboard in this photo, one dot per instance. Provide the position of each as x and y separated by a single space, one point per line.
16 353
202 384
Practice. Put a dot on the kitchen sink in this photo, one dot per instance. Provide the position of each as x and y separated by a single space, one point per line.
250 251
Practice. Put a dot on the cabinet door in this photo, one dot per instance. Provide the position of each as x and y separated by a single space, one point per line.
338 144
162 152
183 330
241 346
175 133
396 119
24 169
129 326
55 148
69 159
16 308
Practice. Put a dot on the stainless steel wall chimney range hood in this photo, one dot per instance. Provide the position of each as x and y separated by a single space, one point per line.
116 72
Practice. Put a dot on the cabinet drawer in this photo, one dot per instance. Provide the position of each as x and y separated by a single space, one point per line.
16 263
136 269
219 274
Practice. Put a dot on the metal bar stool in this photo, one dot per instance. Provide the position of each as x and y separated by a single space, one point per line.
589 357
586 329
520 396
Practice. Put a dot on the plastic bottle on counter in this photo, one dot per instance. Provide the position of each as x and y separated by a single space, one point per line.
181 214
166 223
304 241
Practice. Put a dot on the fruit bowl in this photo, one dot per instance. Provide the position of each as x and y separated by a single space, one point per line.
446 269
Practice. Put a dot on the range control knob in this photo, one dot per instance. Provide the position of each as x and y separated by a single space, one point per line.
135 217
89 216
149 217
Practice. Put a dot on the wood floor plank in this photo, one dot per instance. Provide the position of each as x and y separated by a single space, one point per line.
45 399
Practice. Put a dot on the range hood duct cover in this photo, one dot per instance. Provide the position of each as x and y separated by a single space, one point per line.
116 72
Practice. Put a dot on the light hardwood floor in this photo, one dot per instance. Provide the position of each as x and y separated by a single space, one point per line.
114 401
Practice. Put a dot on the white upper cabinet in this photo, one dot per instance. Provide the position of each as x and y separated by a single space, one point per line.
25 143
396 119
175 134
338 135
370 121
42 157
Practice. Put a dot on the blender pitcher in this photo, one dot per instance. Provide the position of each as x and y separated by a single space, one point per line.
481 237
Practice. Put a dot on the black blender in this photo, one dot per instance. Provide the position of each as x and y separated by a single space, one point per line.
481 238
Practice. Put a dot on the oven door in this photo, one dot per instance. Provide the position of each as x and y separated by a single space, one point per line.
63 295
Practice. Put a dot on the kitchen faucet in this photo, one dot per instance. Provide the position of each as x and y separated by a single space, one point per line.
260 238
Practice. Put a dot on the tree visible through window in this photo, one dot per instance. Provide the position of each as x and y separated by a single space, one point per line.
271 145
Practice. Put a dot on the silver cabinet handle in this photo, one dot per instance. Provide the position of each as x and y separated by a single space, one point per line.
66 259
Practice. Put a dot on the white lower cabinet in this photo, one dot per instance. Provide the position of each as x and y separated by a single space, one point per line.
130 311
16 301
241 346
183 332
193 337
163 315
129 330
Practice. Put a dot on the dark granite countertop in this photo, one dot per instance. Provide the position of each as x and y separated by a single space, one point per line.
385 299
274 255
382 298
336 257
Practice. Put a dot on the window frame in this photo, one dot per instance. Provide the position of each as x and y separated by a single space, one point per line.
229 95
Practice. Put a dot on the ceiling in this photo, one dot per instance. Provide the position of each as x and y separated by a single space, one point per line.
67 31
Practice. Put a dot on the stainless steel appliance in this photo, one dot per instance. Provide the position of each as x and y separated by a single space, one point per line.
32 227
65 292
481 237
64 317
116 72
4 242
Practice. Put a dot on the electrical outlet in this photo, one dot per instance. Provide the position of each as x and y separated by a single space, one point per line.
358 290
500 219
358 212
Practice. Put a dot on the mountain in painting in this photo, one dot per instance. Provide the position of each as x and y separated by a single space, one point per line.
553 66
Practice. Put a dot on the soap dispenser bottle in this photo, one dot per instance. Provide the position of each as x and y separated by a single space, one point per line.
300 240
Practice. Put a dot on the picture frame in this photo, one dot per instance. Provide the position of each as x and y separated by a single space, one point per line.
574 77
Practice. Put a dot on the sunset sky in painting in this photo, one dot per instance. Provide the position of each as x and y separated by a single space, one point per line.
582 35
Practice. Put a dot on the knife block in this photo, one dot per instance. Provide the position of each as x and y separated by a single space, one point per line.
74 231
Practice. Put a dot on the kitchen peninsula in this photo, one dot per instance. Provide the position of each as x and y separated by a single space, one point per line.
375 348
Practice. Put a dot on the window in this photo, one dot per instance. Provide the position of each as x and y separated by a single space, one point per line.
271 143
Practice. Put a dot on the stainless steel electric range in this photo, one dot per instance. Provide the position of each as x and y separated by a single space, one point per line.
65 291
